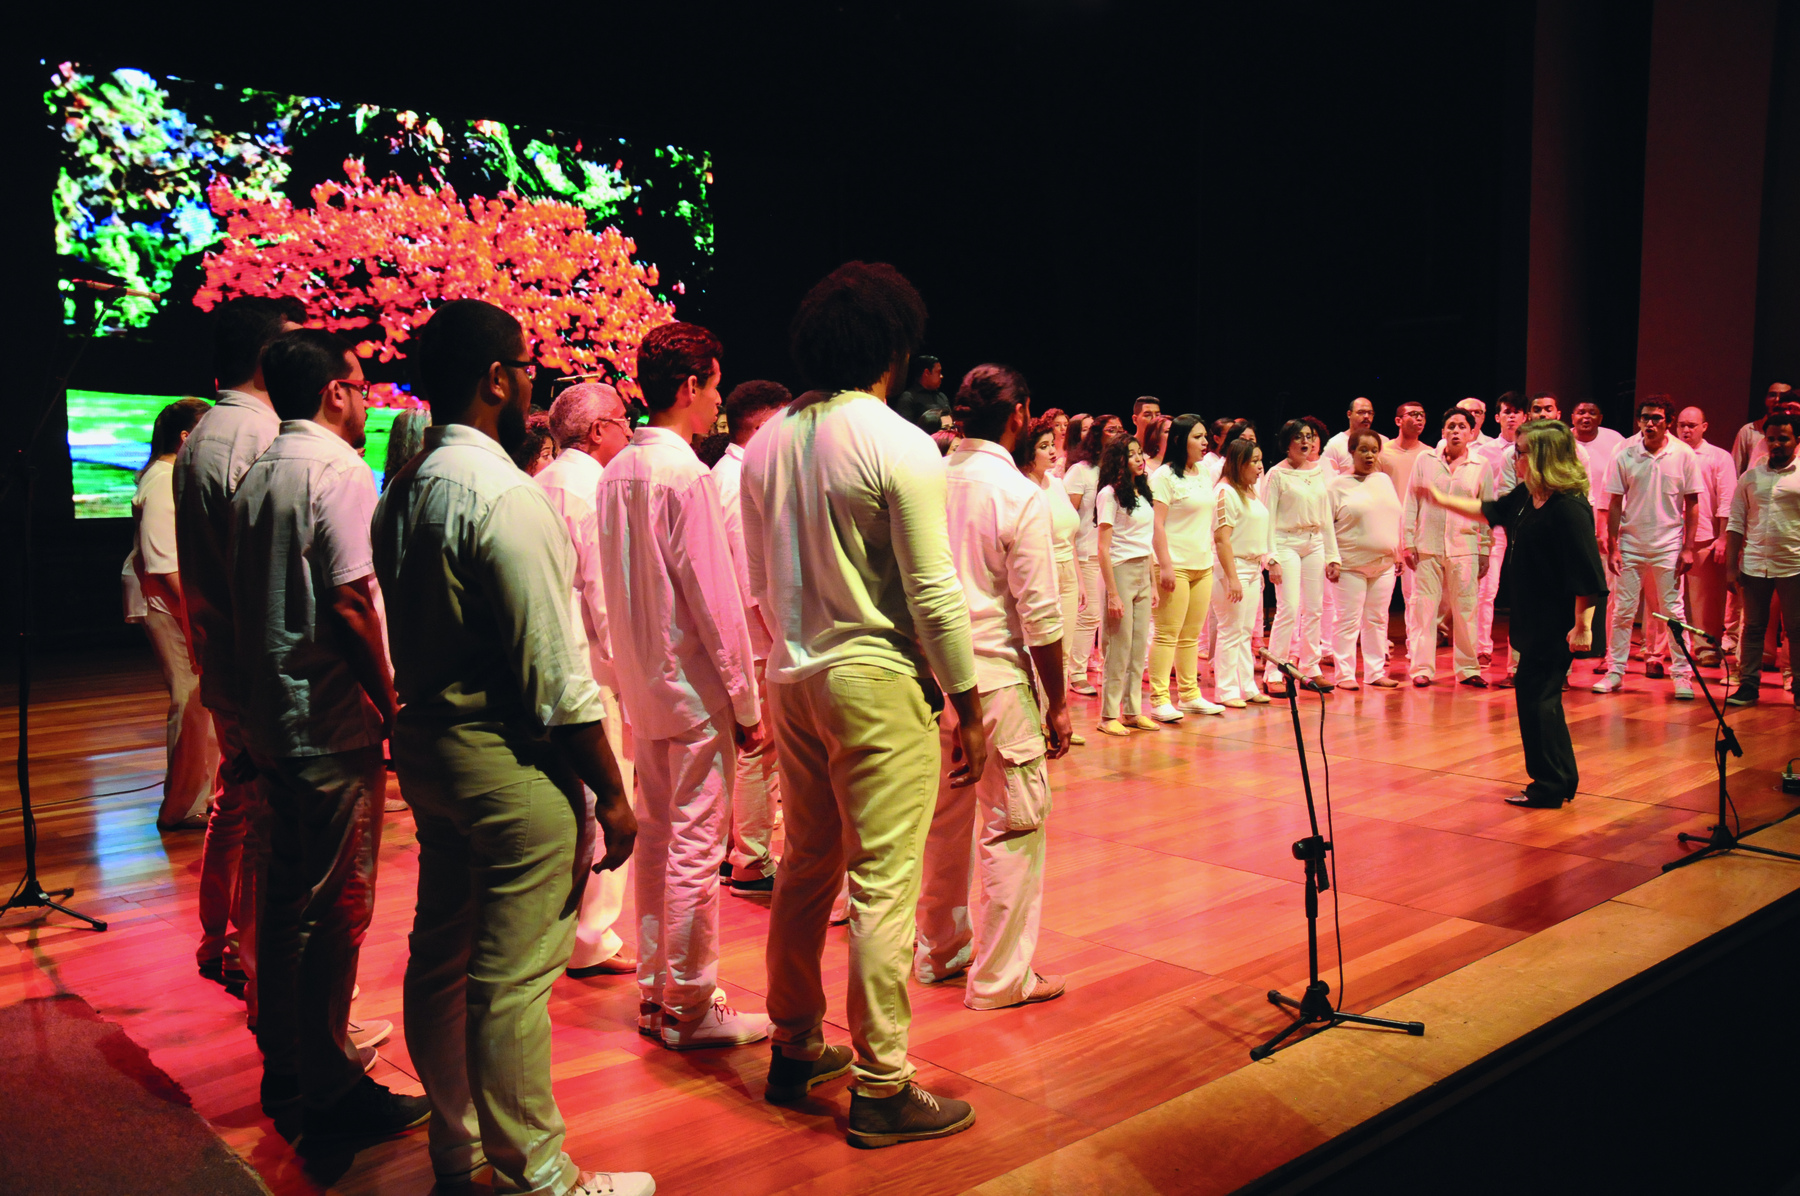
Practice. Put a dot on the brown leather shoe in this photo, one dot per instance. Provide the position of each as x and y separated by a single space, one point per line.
791 1079
620 964
910 1115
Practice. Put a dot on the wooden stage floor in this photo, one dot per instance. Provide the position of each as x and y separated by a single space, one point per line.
1173 904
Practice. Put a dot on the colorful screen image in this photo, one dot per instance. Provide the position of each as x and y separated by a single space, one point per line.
370 217
109 443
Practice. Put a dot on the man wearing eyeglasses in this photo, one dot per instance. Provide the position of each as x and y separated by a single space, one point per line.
589 426
1654 488
316 702
1745 448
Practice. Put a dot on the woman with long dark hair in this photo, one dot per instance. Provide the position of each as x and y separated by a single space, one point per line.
1305 554
1557 582
1241 544
1183 539
1125 515
1081 481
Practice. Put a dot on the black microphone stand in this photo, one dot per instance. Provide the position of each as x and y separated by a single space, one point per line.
1721 838
1314 1006
31 893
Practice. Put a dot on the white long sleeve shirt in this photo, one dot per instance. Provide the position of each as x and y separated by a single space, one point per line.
1718 477
1001 541
1299 504
849 554
1431 530
1765 510
1366 516
728 474
571 483
682 651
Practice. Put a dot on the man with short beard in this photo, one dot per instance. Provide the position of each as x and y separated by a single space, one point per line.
1337 450
315 701
1745 448
1762 554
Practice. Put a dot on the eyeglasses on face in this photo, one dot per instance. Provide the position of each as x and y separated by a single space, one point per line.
530 367
362 385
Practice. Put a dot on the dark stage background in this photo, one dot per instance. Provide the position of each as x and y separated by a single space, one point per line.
1248 209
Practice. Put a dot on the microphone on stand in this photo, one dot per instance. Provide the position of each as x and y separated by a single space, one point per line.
1689 628
113 289
1287 670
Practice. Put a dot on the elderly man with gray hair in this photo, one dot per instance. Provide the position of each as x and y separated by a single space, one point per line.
589 425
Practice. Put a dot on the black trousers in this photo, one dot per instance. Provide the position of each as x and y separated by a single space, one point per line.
1549 753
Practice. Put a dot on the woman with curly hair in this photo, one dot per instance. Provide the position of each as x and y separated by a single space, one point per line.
1125 515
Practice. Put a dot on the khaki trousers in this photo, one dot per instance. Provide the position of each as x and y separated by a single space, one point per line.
991 832
858 749
755 796
233 862
604 898
1178 616
193 745
1452 579
501 875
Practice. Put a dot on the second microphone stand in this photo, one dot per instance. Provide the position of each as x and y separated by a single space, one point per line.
1314 1007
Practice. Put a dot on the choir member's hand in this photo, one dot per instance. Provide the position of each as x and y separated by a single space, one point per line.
1731 576
1684 563
1615 560
1481 567
1581 639
1165 581
968 756
1409 557
1234 591
1115 607
752 740
1274 573
618 832
1060 729
1331 571
1718 551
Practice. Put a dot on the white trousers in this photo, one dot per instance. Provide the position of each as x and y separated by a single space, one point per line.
1234 665
603 900
193 745
1652 581
1441 578
755 808
1362 610
1068 590
682 812
1489 591
990 833
1299 601
1087 624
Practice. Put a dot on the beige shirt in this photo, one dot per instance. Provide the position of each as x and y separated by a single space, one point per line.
1432 530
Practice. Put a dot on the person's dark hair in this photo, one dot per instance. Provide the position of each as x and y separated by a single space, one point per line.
1410 403
1115 471
1175 451
945 439
1512 400
178 417
1291 431
916 370
1137 404
537 439
1468 417
1025 451
1215 434
1786 419
931 420
1156 436
987 398
242 329
1352 439
860 321
1237 462
1319 429
298 365
455 349
712 448
1095 441
669 355
1236 431
1075 439
1051 413
1662 403
753 398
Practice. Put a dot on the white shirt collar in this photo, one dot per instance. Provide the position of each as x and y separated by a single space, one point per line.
735 451
651 434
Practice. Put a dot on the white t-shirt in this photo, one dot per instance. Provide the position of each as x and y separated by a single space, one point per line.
1248 520
1366 514
1065 520
1655 489
1132 530
1081 482
153 507
1337 452
1189 523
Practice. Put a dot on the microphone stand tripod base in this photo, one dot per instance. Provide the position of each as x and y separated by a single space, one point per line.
35 896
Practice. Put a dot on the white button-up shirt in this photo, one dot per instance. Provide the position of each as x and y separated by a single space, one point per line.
1765 510
1431 530
1299 503
1655 489
300 529
477 568
217 454
1081 482
1000 539
571 483
1718 479
728 474
849 555
681 646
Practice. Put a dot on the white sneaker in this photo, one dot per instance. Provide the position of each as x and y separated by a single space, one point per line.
1612 683
719 1026
1166 714
1202 706
370 1033
614 1183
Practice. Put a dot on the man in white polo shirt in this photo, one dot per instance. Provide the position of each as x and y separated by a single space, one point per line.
1653 490
844 522
1337 452
1704 588
589 425
1762 555
315 701
999 523
1448 553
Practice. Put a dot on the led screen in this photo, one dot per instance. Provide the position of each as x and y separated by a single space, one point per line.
369 216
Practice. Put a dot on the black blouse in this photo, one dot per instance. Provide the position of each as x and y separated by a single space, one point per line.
1552 558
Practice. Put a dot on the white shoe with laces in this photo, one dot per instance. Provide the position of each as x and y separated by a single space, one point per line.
1166 713
1201 706
370 1033
719 1026
614 1183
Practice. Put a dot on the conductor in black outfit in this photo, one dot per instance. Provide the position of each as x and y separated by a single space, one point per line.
1557 582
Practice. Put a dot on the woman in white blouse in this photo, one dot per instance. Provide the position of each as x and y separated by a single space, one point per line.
1241 545
1305 553
1365 513
1036 456
193 746
1124 512
1081 481
1183 493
